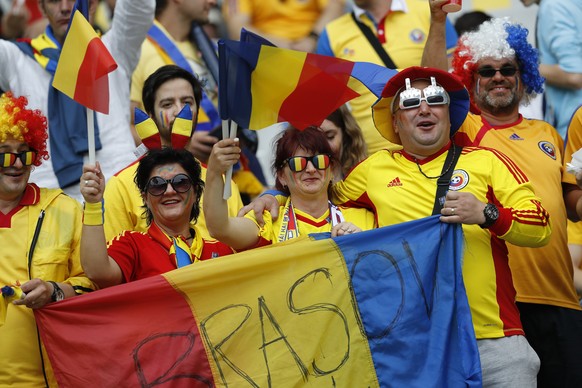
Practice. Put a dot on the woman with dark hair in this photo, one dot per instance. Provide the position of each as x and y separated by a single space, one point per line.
304 165
346 140
170 184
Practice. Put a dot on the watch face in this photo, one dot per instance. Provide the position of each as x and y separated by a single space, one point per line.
491 212
60 295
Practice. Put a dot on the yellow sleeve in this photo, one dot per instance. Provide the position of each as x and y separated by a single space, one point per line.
352 189
530 222
123 206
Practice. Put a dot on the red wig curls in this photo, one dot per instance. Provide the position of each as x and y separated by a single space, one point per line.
19 123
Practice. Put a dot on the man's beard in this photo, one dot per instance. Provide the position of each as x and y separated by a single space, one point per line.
498 104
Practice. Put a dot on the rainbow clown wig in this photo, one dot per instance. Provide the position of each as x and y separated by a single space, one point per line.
19 123
499 39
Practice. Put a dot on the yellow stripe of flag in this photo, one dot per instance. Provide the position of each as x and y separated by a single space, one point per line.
268 88
74 51
300 324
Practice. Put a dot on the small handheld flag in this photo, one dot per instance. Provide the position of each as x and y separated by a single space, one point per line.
84 64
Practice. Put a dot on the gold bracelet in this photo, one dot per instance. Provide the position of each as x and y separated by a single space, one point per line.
93 213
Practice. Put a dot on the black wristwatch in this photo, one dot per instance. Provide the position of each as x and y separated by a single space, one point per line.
58 293
491 213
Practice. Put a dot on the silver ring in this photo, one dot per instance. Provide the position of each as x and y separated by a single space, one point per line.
452 211
86 183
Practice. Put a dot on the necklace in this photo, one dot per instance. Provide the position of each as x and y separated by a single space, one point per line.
444 171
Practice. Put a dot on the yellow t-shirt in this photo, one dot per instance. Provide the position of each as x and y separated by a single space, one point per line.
289 19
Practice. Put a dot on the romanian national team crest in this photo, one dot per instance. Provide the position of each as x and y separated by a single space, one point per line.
548 149
417 36
459 180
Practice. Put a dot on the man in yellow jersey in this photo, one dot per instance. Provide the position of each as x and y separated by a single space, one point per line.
500 69
398 28
165 93
40 232
421 109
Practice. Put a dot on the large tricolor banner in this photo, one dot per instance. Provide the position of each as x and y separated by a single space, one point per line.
380 308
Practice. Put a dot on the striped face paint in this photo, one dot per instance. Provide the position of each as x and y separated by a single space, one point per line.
164 120
8 159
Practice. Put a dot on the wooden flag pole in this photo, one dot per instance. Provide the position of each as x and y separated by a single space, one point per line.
91 135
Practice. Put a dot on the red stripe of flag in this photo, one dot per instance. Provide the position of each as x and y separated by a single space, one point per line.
92 89
325 74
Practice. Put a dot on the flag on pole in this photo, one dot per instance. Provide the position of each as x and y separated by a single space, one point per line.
380 308
84 63
262 85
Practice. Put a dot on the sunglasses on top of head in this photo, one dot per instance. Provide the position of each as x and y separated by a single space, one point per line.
489 72
8 159
410 97
299 163
157 185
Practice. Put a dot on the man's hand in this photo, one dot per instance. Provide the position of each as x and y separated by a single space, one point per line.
436 13
462 208
38 293
200 145
344 228
259 205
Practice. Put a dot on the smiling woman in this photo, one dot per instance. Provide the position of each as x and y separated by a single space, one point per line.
304 165
170 184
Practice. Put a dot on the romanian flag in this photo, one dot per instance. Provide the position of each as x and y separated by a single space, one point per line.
84 64
375 309
260 85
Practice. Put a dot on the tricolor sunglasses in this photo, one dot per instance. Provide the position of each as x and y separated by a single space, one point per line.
299 163
8 159
410 98
157 185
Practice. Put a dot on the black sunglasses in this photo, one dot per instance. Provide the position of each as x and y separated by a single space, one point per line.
8 159
488 72
157 185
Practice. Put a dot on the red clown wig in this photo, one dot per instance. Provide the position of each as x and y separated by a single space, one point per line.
19 123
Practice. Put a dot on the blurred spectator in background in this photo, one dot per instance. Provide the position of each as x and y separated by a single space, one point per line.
470 21
559 40
291 24
21 19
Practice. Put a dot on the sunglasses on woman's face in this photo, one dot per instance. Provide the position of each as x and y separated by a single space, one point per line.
299 163
157 185
8 159
489 72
